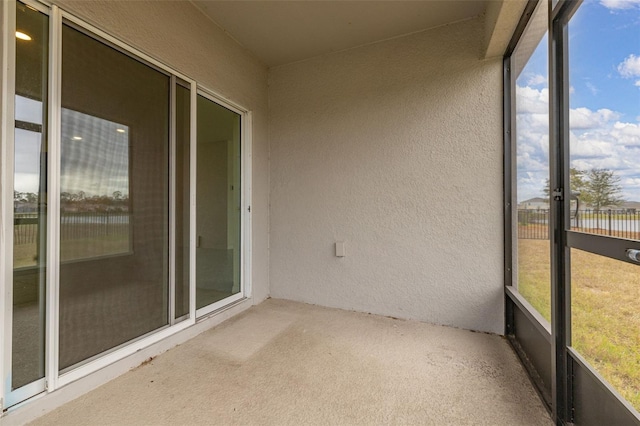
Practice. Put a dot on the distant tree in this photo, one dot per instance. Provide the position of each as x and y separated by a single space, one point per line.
31 197
25 197
602 189
576 179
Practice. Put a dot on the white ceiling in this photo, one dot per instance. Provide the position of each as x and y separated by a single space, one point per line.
281 32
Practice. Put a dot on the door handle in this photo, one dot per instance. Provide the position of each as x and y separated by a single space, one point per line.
633 254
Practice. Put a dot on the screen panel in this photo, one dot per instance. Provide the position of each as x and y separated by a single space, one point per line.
115 168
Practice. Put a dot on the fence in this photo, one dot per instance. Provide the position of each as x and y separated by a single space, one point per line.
534 224
73 226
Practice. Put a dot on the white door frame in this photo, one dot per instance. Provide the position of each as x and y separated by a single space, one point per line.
245 203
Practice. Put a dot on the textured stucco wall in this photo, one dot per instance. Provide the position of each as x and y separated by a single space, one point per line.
176 33
395 148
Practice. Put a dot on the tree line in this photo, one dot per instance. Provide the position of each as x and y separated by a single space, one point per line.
80 201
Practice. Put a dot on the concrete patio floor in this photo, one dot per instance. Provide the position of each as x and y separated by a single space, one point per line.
287 363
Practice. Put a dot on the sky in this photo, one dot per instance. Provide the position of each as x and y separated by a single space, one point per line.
604 99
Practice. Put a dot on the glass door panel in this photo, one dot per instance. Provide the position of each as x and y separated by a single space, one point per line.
114 198
604 182
29 198
218 203
114 185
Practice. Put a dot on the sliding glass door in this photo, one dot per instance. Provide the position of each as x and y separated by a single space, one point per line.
114 198
29 203
218 205
122 208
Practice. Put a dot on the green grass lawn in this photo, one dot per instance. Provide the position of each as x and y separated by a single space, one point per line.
605 310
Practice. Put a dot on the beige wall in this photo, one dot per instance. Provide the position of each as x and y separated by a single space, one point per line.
389 147
177 34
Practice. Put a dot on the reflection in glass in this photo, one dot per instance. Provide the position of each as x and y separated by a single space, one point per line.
530 64
183 135
29 110
30 193
218 203
605 321
114 198
94 198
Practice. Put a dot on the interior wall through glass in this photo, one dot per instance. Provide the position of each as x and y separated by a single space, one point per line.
218 203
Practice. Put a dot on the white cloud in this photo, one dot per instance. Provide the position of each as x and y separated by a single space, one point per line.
631 182
532 139
590 148
532 101
592 88
614 146
620 4
626 133
536 80
637 83
630 67
584 118
598 140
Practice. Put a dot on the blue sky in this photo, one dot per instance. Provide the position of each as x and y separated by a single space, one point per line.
600 39
604 79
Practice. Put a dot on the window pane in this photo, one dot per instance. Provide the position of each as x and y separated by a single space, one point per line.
114 198
530 68
183 135
218 204
30 193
